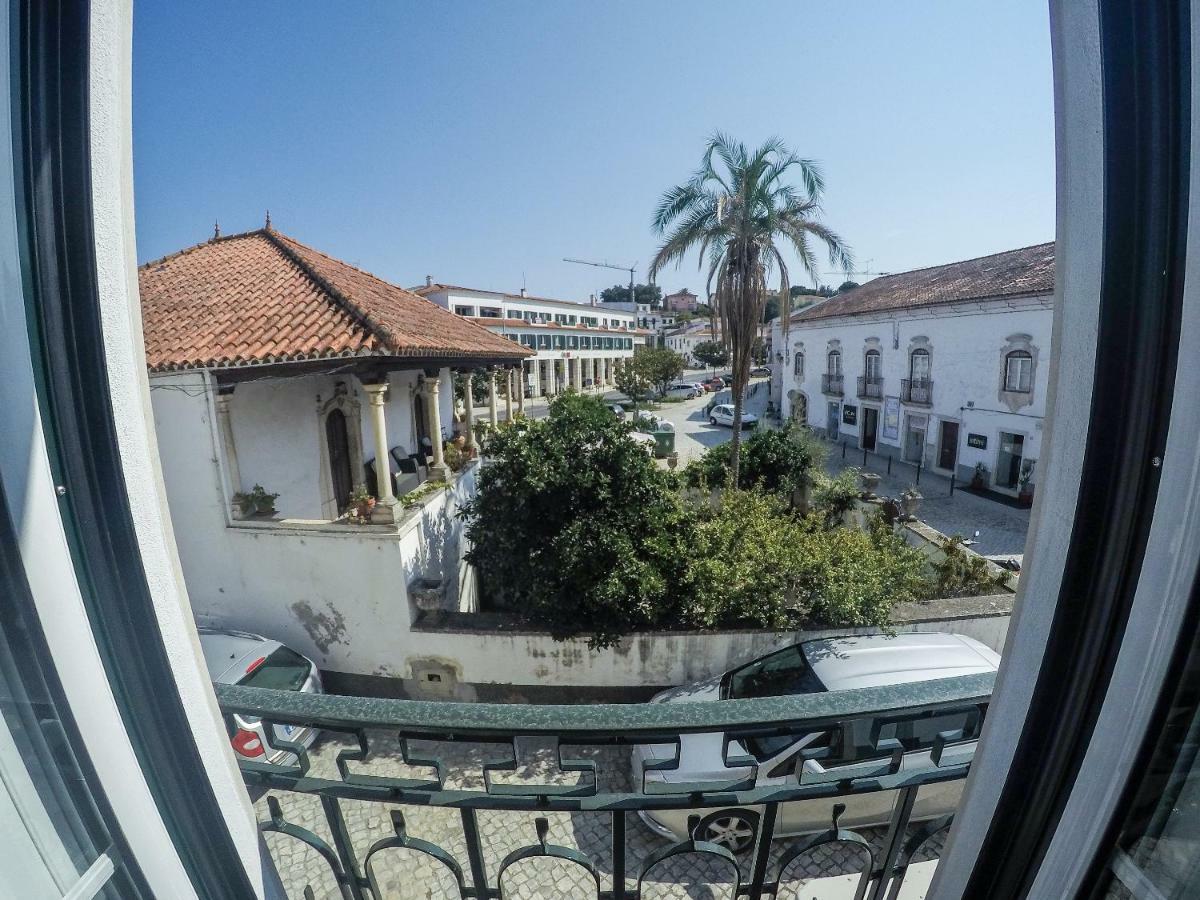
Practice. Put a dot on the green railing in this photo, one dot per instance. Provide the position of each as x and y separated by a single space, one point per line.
886 739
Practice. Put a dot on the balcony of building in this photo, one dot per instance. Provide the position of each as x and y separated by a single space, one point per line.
870 387
832 385
916 391
479 800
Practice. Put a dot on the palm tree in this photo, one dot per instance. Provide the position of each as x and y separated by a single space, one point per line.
737 214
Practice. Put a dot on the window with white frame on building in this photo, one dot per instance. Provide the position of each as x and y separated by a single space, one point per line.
918 365
1018 372
873 365
464 310
799 364
834 363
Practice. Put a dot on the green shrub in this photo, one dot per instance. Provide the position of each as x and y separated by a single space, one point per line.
835 495
781 462
575 528
961 573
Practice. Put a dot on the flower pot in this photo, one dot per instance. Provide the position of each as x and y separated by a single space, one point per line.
1025 497
910 503
460 441
870 481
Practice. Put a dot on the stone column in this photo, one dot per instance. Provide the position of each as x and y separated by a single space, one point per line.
508 394
560 376
577 374
439 471
492 414
385 504
228 448
521 391
469 406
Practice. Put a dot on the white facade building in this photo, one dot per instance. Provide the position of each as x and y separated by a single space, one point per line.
946 366
577 345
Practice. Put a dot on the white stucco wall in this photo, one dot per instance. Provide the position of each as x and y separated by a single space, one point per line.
967 346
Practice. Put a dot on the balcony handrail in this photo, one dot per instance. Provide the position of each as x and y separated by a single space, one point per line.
614 721
879 765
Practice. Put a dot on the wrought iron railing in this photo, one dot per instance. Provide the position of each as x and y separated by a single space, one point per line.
870 386
373 751
918 391
831 384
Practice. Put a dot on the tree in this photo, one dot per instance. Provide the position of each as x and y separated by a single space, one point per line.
737 211
644 293
631 381
660 365
574 527
711 353
784 462
847 286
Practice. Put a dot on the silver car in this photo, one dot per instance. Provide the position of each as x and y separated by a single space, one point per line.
833 664
238 657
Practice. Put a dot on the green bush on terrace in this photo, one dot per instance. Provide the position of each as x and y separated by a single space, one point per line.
575 529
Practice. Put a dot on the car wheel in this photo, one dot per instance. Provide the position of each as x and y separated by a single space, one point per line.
712 420
733 829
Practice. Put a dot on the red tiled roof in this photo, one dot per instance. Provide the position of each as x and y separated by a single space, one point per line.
1029 270
262 297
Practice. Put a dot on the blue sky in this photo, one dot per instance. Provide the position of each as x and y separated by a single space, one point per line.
481 143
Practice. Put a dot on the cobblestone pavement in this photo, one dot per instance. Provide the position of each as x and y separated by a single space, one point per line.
693 434
1001 528
408 875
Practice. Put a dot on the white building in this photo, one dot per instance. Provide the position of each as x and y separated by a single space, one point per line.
273 364
946 365
576 345
654 319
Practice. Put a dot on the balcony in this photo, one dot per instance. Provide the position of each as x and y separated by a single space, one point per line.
917 391
870 387
832 385
464 799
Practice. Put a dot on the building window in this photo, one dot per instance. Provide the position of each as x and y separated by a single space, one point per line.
1018 372
873 364
543 342
560 342
490 312
798 365
573 342
918 365
585 343
464 311
835 363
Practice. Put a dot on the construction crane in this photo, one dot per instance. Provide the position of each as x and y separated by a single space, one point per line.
608 265
867 271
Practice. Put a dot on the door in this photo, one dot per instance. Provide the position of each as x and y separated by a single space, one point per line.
337 440
835 415
914 444
1008 460
870 427
948 446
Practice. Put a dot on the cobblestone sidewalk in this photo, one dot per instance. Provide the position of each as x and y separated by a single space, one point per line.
407 875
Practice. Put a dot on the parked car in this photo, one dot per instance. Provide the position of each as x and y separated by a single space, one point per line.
728 379
714 385
722 414
683 390
760 372
617 410
828 664
251 660
700 386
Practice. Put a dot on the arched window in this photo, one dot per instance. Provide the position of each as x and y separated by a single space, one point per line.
1018 372
799 364
835 362
918 365
873 365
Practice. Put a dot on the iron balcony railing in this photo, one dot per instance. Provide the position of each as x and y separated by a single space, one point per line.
918 391
832 385
870 387
449 765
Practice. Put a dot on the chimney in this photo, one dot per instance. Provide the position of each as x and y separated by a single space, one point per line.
522 292
428 281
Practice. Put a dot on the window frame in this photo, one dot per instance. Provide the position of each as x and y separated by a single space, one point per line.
1023 356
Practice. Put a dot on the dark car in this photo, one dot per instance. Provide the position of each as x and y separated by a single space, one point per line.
760 372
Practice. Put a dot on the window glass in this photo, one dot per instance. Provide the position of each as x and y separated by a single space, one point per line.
835 363
283 670
1018 372
873 364
799 365
919 365
784 672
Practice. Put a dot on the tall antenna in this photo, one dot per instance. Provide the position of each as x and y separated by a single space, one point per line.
608 265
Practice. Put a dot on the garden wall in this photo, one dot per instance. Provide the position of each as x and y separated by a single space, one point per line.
489 657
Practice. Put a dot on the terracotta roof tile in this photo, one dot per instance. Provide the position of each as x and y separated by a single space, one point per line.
1029 270
263 297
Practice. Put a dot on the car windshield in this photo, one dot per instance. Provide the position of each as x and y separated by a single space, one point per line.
775 675
283 670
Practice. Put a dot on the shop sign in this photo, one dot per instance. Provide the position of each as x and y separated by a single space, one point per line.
849 415
978 441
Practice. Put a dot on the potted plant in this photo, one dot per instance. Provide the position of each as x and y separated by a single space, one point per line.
979 479
910 500
1025 481
361 505
870 481
256 501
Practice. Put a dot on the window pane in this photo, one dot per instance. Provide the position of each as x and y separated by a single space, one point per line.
283 670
